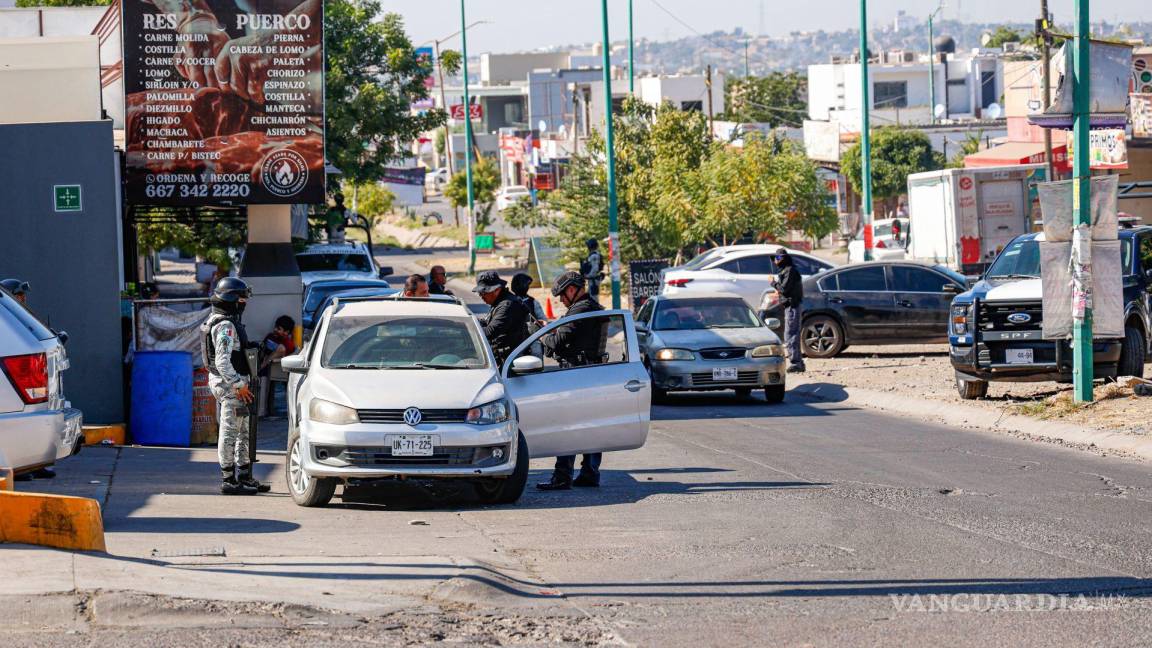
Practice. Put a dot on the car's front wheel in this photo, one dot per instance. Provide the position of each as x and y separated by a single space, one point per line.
509 489
1132 353
971 389
822 337
306 490
774 394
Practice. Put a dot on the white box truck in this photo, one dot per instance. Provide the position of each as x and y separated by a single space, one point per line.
962 218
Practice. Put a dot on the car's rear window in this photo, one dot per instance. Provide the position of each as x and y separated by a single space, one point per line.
9 304
350 262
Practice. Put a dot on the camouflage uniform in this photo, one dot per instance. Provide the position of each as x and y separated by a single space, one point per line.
224 380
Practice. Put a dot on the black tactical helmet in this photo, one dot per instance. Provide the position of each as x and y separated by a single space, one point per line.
230 290
570 278
15 286
521 282
592 244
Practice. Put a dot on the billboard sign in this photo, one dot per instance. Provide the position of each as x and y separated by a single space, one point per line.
223 106
475 111
644 280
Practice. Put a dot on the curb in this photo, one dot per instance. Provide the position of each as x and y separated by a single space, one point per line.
98 434
51 521
953 414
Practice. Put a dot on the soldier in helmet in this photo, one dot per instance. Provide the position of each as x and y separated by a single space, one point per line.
229 378
575 344
18 289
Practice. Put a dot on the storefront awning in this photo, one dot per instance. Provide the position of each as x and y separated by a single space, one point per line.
1013 153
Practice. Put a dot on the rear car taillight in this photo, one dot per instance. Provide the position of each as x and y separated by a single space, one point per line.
679 283
29 375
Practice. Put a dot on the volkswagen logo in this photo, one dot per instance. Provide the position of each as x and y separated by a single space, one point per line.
1019 318
413 416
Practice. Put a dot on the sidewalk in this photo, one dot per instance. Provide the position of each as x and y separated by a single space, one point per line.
918 380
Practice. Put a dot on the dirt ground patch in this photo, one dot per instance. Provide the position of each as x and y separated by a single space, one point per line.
923 371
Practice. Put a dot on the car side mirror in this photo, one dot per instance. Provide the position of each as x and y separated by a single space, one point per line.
62 336
772 322
641 327
386 272
527 365
297 364
1148 274
951 289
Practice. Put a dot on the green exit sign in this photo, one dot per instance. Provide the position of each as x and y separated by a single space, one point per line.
485 241
67 198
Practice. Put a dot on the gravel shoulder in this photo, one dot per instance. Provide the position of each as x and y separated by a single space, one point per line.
923 371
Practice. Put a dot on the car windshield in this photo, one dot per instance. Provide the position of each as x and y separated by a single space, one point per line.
1020 260
403 343
342 262
700 259
697 314
317 292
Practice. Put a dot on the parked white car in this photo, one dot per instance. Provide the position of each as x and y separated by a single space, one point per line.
38 426
372 399
744 270
508 196
889 238
347 261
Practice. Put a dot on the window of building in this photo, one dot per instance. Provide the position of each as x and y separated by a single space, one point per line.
697 106
890 94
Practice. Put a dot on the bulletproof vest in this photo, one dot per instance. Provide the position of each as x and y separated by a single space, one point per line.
239 359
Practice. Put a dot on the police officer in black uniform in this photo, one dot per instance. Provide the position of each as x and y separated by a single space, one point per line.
506 326
575 344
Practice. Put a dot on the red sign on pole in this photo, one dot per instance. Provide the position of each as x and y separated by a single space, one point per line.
475 111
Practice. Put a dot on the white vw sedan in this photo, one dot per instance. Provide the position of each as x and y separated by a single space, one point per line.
394 388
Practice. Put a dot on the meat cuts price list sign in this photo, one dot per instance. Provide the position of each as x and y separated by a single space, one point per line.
225 101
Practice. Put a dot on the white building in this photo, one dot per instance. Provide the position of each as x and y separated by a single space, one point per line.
684 91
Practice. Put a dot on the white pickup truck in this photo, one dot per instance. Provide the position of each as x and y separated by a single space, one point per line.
38 426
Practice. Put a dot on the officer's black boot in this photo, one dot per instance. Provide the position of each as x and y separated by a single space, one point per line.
228 484
245 478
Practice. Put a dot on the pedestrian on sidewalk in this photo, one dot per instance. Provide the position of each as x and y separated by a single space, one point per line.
438 281
790 285
416 286
506 326
229 378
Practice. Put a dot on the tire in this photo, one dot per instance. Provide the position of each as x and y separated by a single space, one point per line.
774 394
821 337
743 392
509 489
971 389
1132 353
305 490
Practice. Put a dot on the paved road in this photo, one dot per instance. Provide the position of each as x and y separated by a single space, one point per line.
738 523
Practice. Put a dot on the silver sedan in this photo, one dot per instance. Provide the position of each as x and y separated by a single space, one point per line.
709 342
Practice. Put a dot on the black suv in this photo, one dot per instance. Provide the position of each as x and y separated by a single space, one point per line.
995 329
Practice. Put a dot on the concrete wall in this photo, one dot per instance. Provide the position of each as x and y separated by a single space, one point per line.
506 68
682 88
72 260
56 79
20 22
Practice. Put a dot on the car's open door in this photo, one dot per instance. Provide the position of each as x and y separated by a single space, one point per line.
600 406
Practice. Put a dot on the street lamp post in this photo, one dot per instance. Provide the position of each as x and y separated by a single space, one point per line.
610 155
631 54
865 135
1083 372
932 66
468 144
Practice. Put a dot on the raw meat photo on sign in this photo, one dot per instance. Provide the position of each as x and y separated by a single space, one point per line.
225 101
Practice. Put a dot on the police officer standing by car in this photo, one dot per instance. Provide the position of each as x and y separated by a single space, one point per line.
229 377
790 285
18 289
506 326
593 267
575 344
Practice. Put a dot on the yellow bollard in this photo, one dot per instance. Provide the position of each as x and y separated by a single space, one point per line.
51 520
7 479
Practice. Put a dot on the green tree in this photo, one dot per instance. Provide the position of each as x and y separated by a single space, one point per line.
971 144
372 200
779 99
1003 35
485 183
524 215
373 76
896 154
209 240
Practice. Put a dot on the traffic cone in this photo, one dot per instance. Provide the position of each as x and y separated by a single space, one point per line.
548 309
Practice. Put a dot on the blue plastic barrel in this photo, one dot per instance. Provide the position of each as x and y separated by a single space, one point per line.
162 398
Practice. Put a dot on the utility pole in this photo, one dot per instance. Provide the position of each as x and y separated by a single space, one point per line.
631 54
708 84
746 72
610 155
932 65
1046 60
447 131
1082 370
468 144
865 135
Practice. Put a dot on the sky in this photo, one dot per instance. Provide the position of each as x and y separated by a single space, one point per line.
518 25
